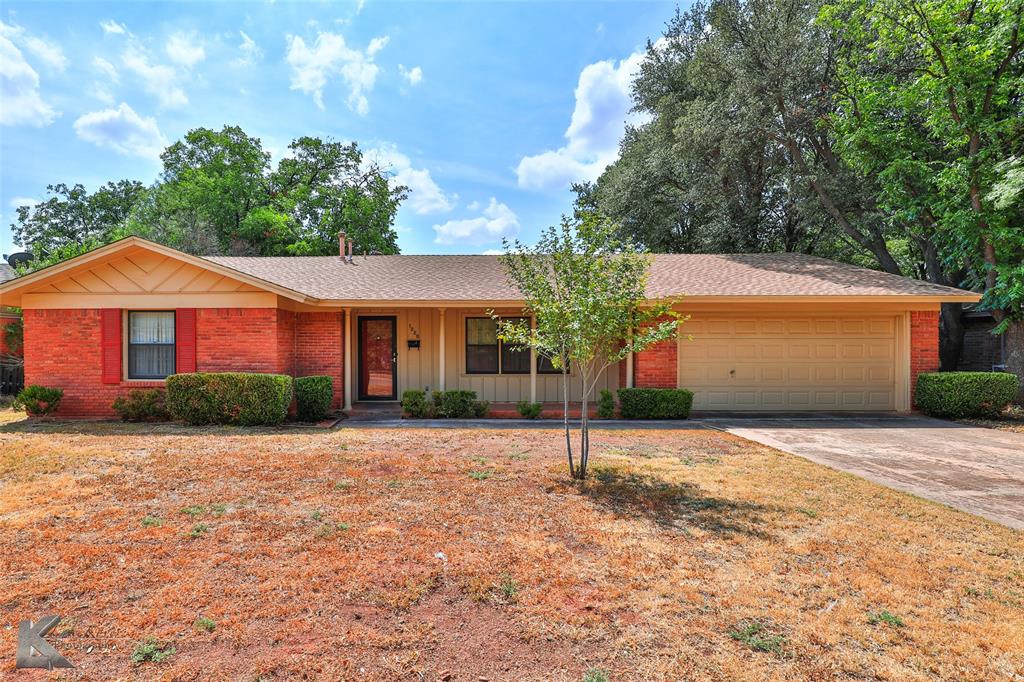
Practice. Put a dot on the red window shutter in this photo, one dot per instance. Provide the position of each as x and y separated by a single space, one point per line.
110 344
185 340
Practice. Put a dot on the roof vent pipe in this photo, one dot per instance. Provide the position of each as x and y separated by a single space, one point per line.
349 250
341 244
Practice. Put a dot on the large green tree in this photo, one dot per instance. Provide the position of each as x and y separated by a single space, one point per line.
220 193
71 220
929 105
734 156
221 185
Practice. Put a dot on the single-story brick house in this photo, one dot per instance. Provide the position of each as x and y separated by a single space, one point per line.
770 332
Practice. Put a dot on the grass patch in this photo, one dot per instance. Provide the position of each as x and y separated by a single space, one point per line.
195 510
150 521
884 617
757 637
596 675
481 474
205 624
198 530
151 650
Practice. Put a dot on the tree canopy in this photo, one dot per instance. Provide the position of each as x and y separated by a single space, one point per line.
220 193
887 133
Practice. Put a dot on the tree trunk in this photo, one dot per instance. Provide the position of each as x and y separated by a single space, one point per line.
565 419
1014 358
584 436
951 336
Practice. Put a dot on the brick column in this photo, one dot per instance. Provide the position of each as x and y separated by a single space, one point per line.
657 367
924 345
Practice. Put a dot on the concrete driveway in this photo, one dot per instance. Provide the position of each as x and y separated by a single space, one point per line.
977 470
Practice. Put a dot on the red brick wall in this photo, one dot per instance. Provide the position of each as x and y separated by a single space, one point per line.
319 349
63 350
237 340
657 366
924 345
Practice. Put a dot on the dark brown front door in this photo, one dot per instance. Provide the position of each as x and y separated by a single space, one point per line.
377 356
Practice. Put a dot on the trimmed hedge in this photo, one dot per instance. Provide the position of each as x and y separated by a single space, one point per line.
313 396
655 403
529 410
237 398
415 404
965 394
606 405
142 405
443 404
39 401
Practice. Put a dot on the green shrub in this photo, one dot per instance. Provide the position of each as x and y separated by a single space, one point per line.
455 404
606 405
529 410
40 401
313 396
142 405
965 394
414 404
229 398
655 403
481 408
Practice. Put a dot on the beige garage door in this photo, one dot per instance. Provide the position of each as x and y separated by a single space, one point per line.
789 363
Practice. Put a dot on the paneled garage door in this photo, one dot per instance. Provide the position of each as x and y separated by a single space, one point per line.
789 363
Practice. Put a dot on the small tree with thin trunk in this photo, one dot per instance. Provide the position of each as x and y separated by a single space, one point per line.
586 291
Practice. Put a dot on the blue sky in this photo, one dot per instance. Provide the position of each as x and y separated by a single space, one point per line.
486 110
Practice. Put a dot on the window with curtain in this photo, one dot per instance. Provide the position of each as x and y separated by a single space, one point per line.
481 345
150 344
515 359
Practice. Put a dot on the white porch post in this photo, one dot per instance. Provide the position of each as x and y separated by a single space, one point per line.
533 365
440 351
348 359
629 370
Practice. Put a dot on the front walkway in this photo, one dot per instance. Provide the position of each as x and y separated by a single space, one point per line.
974 469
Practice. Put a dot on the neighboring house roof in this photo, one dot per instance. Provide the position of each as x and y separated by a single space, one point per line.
6 272
330 280
482 278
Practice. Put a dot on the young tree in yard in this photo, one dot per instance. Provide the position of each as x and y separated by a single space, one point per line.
930 101
587 293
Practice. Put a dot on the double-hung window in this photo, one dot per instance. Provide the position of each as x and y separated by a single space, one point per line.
150 344
487 354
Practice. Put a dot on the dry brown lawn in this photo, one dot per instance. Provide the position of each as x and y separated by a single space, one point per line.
417 554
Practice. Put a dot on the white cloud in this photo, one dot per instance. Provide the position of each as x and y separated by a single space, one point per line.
313 66
18 202
122 130
49 53
414 76
250 52
20 100
424 194
106 68
497 221
185 49
598 122
159 80
492 252
111 26
473 206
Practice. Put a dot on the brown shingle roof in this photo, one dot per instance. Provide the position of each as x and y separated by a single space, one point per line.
7 273
482 278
